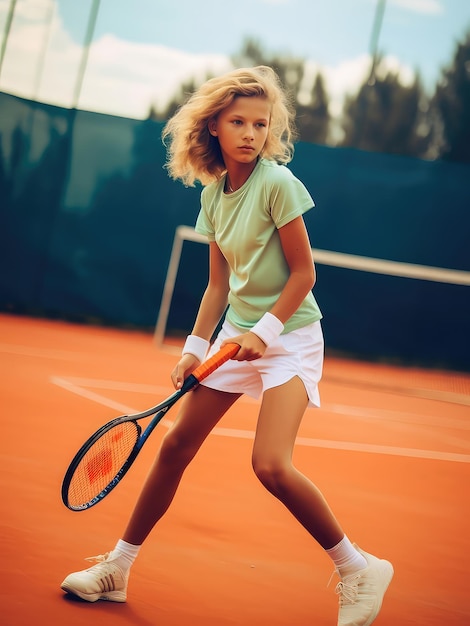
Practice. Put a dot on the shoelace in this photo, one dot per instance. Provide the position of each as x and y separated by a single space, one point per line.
100 558
107 580
347 589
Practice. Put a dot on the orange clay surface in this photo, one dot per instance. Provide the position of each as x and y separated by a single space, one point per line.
389 449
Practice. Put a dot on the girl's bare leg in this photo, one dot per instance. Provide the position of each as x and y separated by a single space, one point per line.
281 412
200 412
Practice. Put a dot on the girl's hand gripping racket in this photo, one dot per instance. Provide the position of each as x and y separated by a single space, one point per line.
107 455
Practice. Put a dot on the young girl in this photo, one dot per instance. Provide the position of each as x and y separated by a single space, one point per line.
234 135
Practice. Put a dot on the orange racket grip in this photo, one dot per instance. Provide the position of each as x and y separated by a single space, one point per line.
219 358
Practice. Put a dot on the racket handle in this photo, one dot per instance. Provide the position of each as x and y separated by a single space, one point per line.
209 366
219 358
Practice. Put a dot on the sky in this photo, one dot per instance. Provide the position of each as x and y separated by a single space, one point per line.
142 50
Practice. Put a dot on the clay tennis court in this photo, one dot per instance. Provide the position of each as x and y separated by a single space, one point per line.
390 449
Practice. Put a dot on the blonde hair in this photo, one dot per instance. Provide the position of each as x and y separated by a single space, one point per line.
194 154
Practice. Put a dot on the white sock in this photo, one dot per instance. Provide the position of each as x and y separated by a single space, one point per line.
346 558
125 553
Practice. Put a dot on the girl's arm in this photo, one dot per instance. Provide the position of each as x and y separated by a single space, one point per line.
298 253
212 306
215 298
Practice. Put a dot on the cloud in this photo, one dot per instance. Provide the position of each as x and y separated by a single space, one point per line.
30 11
427 7
122 78
125 78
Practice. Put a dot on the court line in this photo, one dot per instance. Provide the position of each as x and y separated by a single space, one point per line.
348 446
235 433
397 416
413 392
429 394
45 353
339 409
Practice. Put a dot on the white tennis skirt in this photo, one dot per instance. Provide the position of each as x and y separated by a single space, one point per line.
298 353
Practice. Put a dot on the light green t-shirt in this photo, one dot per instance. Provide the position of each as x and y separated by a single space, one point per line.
244 225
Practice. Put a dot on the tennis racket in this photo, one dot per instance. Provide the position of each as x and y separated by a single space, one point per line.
107 455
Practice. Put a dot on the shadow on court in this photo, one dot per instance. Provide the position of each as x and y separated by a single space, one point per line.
390 449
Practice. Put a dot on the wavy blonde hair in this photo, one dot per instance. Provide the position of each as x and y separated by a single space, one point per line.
194 154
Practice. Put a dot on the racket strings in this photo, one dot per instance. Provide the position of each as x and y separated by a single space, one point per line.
101 463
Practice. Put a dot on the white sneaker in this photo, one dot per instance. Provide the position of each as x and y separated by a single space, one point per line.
103 581
361 594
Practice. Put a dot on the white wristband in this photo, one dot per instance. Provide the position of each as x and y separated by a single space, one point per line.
268 328
197 346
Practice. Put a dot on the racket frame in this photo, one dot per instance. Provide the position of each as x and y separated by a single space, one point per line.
159 411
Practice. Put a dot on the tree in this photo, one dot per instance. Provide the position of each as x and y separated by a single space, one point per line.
387 116
179 98
289 69
314 119
451 106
